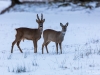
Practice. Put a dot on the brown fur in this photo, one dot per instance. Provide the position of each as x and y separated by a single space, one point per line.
54 36
29 34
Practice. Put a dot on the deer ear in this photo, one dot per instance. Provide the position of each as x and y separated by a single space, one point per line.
66 24
61 24
37 21
43 20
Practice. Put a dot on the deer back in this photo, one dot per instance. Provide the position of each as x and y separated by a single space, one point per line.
52 35
28 33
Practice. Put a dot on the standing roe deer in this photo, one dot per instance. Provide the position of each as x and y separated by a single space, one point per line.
55 36
29 34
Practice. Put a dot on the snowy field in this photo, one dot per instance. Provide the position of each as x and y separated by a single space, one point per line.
81 45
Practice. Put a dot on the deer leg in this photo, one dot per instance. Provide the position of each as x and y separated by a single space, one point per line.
19 46
35 46
46 46
43 47
18 38
60 48
57 47
13 45
44 43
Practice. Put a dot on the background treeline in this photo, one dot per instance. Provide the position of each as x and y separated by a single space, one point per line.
63 3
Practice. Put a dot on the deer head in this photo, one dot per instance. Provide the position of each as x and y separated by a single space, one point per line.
64 27
40 21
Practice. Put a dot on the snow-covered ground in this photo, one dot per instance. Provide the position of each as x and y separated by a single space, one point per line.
4 4
81 45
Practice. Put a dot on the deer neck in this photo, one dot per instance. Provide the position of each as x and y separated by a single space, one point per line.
40 29
62 33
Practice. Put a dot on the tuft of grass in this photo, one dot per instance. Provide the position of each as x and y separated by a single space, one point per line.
18 69
19 66
63 64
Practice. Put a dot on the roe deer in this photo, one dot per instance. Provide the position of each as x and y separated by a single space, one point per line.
29 34
55 36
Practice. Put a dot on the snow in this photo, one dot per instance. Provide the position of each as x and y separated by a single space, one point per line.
4 4
81 45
